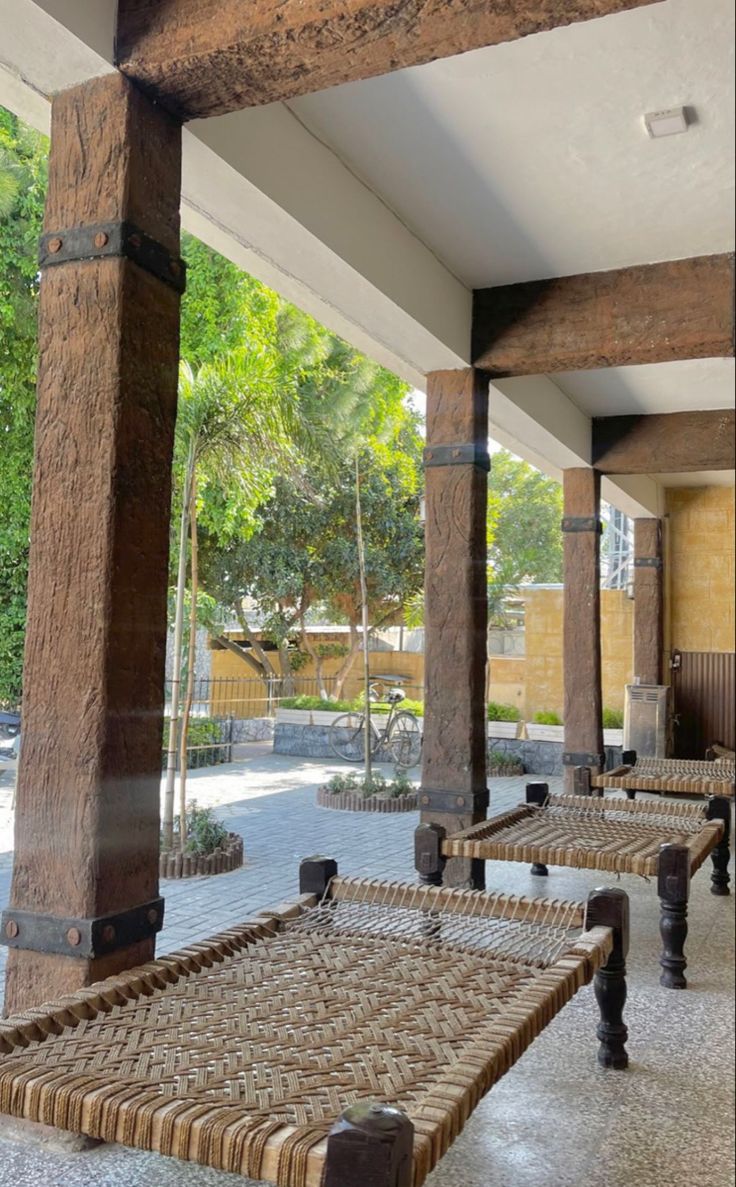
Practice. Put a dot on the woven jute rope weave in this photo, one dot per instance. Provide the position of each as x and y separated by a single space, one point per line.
241 1052
674 776
587 832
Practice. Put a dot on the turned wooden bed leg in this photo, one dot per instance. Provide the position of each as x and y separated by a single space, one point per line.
428 860
610 908
673 887
538 794
370 1145
315 875
719 808
581 784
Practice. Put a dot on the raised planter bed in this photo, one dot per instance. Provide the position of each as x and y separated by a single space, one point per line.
545 733
351 801
175 864
504 729
613 737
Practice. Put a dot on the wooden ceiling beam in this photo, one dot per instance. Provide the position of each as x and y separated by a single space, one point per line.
206 57
651 313
666 443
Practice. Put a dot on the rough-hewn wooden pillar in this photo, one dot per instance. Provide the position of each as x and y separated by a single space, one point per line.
454 792
648 601
582 622
87 824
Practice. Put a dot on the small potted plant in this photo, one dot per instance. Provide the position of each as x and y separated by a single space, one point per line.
613 727
546 727
503 720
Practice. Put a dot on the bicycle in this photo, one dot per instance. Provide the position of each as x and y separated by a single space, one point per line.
401 734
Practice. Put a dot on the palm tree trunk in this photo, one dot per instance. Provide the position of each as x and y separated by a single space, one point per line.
191 661
181 581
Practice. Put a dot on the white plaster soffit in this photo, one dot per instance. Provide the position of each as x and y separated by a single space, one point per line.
535 419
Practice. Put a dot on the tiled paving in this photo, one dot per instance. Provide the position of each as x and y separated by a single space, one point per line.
556 1120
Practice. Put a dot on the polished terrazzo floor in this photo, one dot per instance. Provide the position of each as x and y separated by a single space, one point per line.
556 1119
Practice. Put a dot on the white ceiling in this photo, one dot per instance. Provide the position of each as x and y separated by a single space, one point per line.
530 159
692 385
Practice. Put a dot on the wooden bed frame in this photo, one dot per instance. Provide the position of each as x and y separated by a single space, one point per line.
341 1040
668 842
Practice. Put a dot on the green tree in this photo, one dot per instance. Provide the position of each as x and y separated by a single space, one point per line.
23 155
304 557
524 540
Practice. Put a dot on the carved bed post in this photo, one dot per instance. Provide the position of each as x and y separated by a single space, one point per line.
673 887
610 908
538 793
454 793
84 896
719 808
583 714
371 1145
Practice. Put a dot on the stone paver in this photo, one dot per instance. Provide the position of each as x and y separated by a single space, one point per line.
556 1120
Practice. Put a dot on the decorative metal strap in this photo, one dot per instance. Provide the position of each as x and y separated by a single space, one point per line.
457 455
454 803
581 523
573 758
81 938
121 239
647 562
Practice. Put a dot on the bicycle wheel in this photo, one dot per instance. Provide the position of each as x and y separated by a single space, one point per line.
405 740
347 737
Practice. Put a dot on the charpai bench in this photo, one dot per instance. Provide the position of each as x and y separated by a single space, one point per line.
671 776
339 1041
666 841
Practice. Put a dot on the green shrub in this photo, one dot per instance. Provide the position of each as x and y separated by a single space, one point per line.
376 785
504 764
204 746
309 702
497 712
547 717
613 719
205 833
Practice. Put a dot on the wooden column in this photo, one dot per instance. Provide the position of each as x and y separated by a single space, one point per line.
454 792
87 822
648 601
582 622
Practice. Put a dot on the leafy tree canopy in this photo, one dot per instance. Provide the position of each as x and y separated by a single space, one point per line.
524 540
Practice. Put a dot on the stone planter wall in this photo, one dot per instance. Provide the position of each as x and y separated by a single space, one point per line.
253 729
543 758
187 865
311 741
351 802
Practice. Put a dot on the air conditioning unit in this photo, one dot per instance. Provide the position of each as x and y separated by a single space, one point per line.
646 719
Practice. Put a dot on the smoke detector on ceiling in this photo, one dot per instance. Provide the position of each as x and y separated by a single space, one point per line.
666 123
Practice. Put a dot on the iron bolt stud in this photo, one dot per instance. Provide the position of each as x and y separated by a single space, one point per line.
11 929
101 239
152 916
54 245
74 937
108 934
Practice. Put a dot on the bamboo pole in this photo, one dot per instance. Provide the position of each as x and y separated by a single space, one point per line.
364 615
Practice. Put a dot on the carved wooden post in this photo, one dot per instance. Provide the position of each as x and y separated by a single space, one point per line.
673 887
719 808
583 715
370 1146
87 822
454 792
538 793
610 908
648 601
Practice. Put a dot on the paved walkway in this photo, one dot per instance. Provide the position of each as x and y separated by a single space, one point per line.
556 1120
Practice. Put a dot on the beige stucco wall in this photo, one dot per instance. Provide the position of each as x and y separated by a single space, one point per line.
700 555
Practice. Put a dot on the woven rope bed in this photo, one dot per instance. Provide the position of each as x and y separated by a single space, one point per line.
672 776
242 1051
652 839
